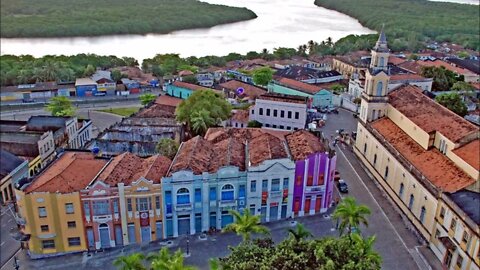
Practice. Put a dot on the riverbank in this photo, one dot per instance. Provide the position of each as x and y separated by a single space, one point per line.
409 22
59 18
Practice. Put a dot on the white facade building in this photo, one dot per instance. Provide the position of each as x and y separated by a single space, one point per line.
280 111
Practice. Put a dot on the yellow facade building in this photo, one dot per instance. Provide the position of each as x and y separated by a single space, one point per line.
49 208
422 155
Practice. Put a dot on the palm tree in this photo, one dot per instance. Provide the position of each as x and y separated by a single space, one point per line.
164 261
351 215
365 248
245 225
300 232
130 262
201 121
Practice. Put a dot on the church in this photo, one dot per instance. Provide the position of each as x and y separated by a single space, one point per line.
425 158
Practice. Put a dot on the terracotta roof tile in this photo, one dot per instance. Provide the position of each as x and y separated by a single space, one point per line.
168 101
302 143
470 153
157 110
190 86
396 60
417 107
436 167
265 147
249 90
411 66
300 86
441 63
71 172
128 167
401 77
240 116
227 147
185 73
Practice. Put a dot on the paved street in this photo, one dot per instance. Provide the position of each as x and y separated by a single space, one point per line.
100 120
8 246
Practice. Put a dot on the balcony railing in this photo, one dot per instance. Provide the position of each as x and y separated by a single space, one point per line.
224 203
183 207
276 193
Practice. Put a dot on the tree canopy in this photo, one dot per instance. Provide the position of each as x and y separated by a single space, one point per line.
410 22
203 109
60 18
443 79
60 106
147 98
351 215
453 102
328 253
262 76
167 147
245 224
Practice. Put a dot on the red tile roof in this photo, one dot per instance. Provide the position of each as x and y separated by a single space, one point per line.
157 110
470 153
71 172
441 63
435 166
396 60
402 77
128 167
302 143
300 86
168 101
429 115
185 73
240 116
189 86
249 90
411 66
226 146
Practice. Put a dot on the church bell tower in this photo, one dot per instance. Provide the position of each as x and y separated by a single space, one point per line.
374 95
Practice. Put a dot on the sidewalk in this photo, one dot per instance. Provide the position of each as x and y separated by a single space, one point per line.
201 250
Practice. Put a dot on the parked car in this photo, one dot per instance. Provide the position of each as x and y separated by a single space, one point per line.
342 186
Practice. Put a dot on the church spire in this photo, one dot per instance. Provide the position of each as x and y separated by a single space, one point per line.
381 45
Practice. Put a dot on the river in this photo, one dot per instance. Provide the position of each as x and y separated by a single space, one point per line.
280 23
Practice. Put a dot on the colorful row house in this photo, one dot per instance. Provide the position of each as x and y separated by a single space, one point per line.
83 202
234 169
86 202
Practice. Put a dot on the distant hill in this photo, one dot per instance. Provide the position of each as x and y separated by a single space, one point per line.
65 18
409 21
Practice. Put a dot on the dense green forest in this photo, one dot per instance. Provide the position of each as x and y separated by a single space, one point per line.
408 22
28 69
58 18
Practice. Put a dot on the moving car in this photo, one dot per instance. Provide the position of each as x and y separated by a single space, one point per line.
342 186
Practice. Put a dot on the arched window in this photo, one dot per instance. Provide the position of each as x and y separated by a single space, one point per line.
400 192
386 172
183 196
410 203
227 192
379 88
381 63
422 214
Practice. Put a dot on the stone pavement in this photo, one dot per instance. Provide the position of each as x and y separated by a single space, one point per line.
200 250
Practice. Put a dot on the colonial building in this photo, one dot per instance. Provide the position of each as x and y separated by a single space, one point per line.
182 89
85 202
12 170
280 111
426 158
240 90
245 168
